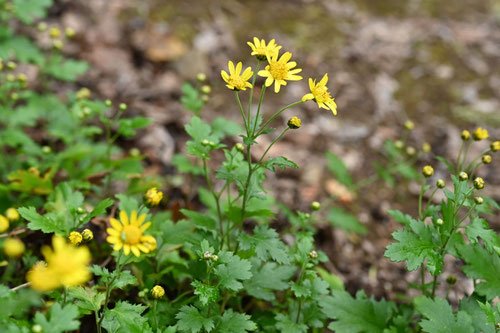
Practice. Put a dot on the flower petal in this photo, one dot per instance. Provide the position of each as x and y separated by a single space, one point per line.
135 251
116 224
231 67
126 249
145 226
239 66
124 217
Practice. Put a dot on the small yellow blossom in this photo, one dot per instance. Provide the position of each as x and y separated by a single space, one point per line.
279 71
480 134
87 235
13 247
128 234
75 237
54 32
12 214
157 291
153 196
409 125
495 146
479 183
260 49
465 135
83 93
4 223
294 123
65 265
427 171
319 93
235 79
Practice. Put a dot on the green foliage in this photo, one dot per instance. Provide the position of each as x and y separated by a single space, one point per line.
338 169
440 317
345 221
60 319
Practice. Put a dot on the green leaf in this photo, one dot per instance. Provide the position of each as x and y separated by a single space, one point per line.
233 322
401 217
279 161
191 320
198 130
190 98
207 294
99 209
345 221
128 126
335 165
483 265
61 319
40 222
29 10
480 319
285 324
22 49
65 69
232 271
266 245
120 279
480 228
222 127
449 166
360 314
124 318
185 165
202 221
440 316
90 299
268 278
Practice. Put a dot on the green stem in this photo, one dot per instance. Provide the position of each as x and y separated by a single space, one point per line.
464 159
242 112
108 291
245 195
254 128
299 282
217 201
420 197
474 160
459 157
250 98
275 115
272 143
154 315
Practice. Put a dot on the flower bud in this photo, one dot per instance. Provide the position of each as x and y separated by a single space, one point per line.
46 150
486 159
12 214
4 224
14 96
409 125
153 196
108 103
294 123
83 93
87 235
134 152
399 144
307 216
465 135
313 254
157 291
479 183
10 78
75 238
205 142
58 44
315 205
495 146
22 78
54 32
426 147
11 65
427 171
202 77
410 151
214 258
205 98
439 221
451 280
207 255
206 89
123 106
463 176
480 134
42 26
478 200
440 183
70 32
240 147
13 247
37 328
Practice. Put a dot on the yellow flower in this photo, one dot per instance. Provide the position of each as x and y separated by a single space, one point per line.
4 223
495 146
75 237
153 196
260 49
480 134
13 247
427 171
157 291
235 79
278 71
65 265
294 123
319 93
12 214
128 234
87 235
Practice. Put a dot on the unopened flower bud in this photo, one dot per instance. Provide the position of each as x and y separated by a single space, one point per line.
75 237
157 291
87 111
21 77
495 146
240 147
465 135
426 147
4 224
451 280
83 93
70 32
294 123
479 183
409 125
205 98
440 183
480 134
13 247
14 96
123 106
214 258
205 142
37 328
42 26
478 200
202 77
46 149
427 171
58 44
313 254
54 32
80 210
10 78
87 235
463 176
439 221
134 152
410 151
108 103
315 205
307 216
486 159
11 65
206 89
399 144
207 255
12 214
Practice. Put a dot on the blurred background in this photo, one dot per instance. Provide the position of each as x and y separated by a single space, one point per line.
434 62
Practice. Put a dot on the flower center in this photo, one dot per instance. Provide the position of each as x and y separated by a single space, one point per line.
131 234
278 70
236 81
321 94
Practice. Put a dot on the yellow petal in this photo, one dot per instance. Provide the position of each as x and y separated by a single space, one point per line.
123 217
285 57
291 64
135 251
141 219
247 73
307 97
264 73
276 86
126 249
113 232
117 246
143 248
133 218
145 226
239 66
113 240
116 224
224 75
269 81
324 80
231 67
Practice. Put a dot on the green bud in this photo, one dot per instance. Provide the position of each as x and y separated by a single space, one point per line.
202 77
46 150
399 144
11 65
315 205
451 280
440 183
478 200
439 221
206 89
463 176
123 106
313 254
240 147
108 103
207 255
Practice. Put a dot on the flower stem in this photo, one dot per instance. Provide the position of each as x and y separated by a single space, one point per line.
272 143
242 112
254 128
275 115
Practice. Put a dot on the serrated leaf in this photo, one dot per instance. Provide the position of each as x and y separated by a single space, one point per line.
480 228
266 245
29 10
61 319
280 161
232 322
232 271
125 318
65 69
198 130
128 126
190 98
355 315
40 222
90 299
191 320
202 221
207 294
401 217
480 321
285 324
99 209
268 278
440 316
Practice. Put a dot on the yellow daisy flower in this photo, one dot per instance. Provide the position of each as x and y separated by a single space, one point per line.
480 134
319 93
153 196
65 265
260 49
128 234
278 71
235 80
